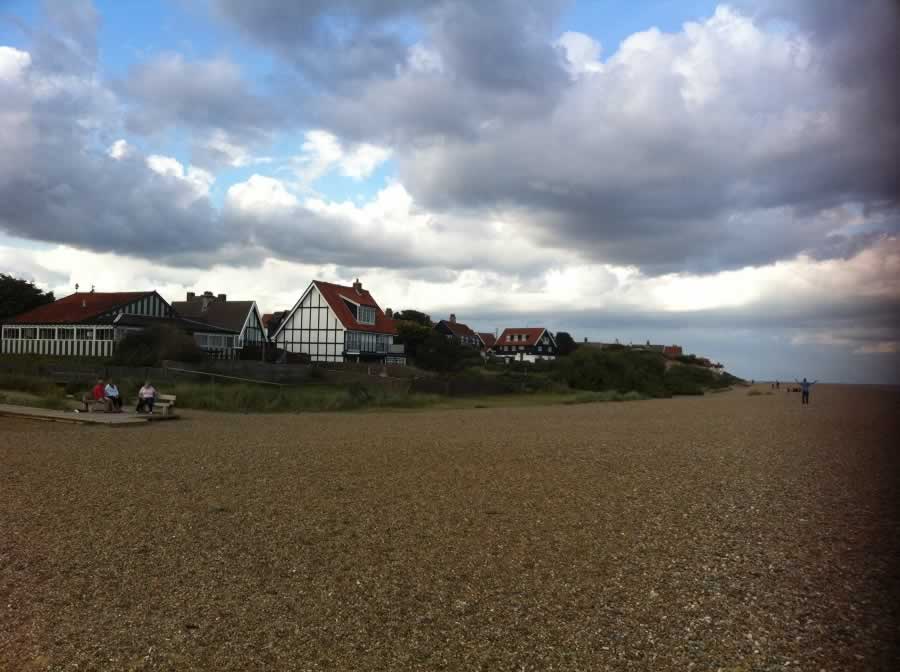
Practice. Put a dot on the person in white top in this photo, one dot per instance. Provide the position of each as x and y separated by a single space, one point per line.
146 397
112 394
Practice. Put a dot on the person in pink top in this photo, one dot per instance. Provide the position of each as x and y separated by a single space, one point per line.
146 397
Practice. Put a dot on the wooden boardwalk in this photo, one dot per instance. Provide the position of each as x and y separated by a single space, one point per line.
125 418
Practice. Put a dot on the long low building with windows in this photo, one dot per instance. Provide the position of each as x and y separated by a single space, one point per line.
335 323
89 324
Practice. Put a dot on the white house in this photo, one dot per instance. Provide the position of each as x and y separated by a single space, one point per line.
336 323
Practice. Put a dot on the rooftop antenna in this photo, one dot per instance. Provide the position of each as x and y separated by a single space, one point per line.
92 289
76 287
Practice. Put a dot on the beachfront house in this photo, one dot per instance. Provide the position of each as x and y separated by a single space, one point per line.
525 344
337 323
241 318
89 324
458 331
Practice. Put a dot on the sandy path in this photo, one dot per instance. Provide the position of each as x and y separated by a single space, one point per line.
732 532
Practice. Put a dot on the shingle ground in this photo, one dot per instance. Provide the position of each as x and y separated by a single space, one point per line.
726 532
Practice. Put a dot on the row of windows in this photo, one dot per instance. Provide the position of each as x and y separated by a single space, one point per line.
214 341
513 338
59 333
513 348
358 341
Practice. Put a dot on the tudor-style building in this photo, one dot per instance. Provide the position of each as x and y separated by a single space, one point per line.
458 331
336 323
241 317
526 344
89 324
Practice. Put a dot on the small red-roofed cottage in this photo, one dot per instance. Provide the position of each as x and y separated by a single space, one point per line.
336 323
487 340
526 344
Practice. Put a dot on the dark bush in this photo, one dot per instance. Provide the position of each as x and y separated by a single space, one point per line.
622 370
154 344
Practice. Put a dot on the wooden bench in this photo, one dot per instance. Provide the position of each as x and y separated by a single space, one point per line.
163 403
90 402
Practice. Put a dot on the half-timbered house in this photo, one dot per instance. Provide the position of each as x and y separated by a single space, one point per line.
336 323
526 344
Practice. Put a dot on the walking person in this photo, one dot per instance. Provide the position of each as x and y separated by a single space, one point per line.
804 389
146 397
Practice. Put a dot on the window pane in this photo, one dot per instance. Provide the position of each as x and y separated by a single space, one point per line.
29 332
65 333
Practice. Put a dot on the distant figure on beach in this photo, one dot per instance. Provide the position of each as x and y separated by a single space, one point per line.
804 388
777 385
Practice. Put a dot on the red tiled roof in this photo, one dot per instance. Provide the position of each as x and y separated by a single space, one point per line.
487 338
458 329
530 334
335 295
78 307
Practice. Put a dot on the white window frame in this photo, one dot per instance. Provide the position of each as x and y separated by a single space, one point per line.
28 334
65 333
11 333
369 311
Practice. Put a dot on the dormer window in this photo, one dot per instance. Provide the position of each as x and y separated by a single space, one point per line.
366 315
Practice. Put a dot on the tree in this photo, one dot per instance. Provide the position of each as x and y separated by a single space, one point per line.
412 335
439 353
18 296
565 344
409 315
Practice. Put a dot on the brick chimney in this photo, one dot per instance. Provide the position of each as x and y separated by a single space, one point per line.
223 297
357 286
388 312
452 317
191 296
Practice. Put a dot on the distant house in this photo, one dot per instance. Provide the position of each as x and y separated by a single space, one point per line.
526 344
336 323
672 351
271 321
458 331
89 324
487 341
240 317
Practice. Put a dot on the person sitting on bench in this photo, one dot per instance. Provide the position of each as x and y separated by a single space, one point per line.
97 395
146 397
112 394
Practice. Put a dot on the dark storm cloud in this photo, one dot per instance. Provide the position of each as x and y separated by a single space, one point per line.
711 149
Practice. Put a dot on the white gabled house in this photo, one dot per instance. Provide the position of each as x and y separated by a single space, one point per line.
525 344
336 323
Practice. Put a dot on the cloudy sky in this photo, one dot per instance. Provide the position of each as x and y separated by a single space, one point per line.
723 176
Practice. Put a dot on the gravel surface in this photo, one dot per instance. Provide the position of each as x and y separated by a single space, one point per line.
729 532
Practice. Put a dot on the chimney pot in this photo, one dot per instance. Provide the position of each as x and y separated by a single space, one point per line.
223 297
357 286
388 312
191 296
453 317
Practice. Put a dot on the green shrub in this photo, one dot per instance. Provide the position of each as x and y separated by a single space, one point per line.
154 344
